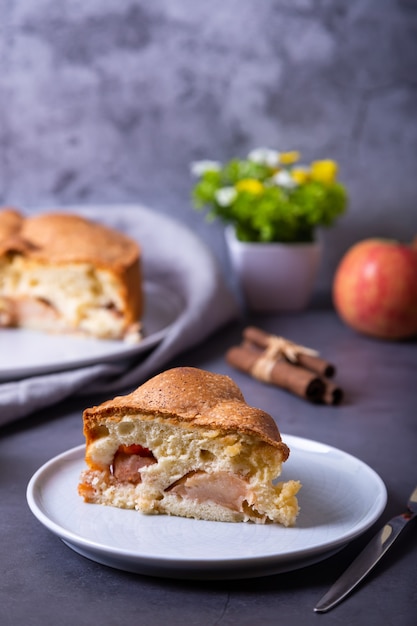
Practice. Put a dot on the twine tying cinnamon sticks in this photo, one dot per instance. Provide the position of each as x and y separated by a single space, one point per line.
276 360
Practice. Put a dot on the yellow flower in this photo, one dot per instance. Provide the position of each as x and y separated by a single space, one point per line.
324 171
288 158
300 174
250 185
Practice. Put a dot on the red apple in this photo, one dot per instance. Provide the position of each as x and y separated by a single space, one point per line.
375 288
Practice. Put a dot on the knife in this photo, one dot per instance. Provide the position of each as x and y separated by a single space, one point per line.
368 558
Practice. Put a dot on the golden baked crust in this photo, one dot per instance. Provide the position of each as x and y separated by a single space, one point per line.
193 396
186 443
11 222
66 238
101 269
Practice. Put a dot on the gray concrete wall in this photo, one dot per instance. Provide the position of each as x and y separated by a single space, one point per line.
107 101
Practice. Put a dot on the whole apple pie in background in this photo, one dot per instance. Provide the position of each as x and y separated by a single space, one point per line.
60 272
186 443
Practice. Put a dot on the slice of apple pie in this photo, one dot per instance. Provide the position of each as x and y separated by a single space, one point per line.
186 443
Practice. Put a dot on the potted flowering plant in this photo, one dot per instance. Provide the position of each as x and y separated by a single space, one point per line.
270 199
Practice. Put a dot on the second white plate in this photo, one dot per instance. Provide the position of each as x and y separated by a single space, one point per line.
27 353
340 498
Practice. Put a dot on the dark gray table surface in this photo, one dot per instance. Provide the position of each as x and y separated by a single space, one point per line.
44 582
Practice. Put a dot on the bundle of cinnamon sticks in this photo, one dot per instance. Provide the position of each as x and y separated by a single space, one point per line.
278 361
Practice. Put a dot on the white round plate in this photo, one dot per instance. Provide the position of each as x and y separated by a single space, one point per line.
340 498
27 353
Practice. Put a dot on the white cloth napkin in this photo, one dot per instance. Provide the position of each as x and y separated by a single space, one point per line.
173 257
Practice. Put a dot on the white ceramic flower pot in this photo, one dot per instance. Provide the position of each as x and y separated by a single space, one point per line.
274 276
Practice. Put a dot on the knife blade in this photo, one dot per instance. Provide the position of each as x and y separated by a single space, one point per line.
365 561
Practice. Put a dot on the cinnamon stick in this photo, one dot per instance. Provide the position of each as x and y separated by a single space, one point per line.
333 394
293 378
311 362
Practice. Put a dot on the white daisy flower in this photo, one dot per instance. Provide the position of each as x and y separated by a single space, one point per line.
198 168
265 156
225 195
284 179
